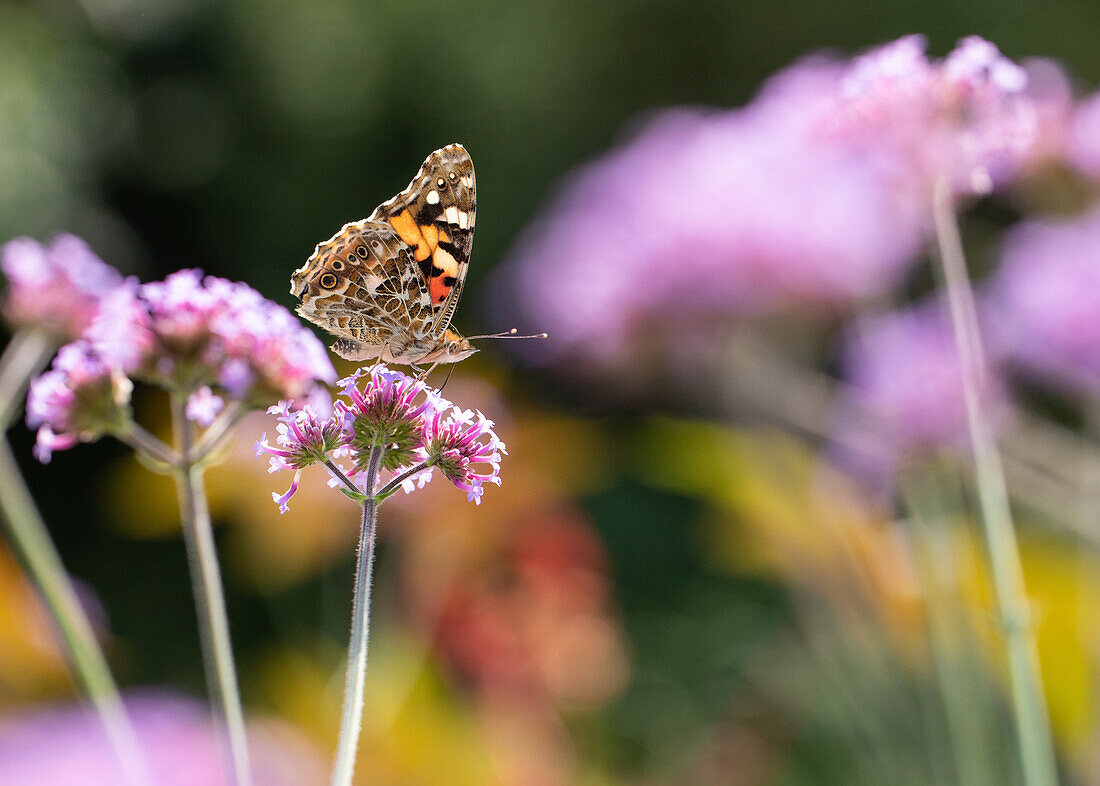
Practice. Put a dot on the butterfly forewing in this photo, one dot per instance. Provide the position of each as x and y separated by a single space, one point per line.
435 217
389 285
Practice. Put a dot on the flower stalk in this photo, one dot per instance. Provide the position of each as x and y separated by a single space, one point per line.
25 356
1029 703
26 534
355 681
202 558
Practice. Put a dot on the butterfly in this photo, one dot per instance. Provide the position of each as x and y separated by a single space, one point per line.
387 286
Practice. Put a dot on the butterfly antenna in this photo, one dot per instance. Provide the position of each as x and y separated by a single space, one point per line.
508 334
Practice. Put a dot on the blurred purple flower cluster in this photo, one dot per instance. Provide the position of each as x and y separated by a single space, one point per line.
186 333
815 194
965 119
56 288
66 745
1044 300
813 198
415 428
905 390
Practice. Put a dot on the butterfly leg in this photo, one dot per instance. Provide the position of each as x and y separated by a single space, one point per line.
424 374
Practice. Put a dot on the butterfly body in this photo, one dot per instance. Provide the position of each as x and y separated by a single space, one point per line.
387 286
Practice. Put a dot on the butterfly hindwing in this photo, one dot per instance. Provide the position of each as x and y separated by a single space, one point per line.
364 284
435 216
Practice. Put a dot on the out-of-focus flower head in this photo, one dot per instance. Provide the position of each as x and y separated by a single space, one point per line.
1045 300
709 216
905 391
189 331
966 119
465 448
1049 90
67 745
209 337
1083 145
304 438
78 399
388 412
55 287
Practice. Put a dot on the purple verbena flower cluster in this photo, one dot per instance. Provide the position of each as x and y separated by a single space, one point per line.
412 427
904 393
188 331
813 197
208 338
55 287
966 119
79 398
1044 300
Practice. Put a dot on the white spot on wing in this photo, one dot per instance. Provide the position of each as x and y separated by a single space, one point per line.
432 198
452 215
445 262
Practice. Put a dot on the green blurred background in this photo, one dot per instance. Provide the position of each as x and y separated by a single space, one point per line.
233 135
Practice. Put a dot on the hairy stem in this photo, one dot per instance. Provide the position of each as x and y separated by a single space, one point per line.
1029 703
202 557
351 720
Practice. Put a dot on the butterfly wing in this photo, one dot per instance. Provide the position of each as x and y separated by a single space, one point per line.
434 216
365 287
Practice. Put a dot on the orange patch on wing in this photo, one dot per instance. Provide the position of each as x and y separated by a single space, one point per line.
431 235
408 231
441 260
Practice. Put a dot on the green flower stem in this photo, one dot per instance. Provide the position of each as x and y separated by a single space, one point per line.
1032 721
145 444
25 356
27 536
351 721
202 557
339 473
394 484
223 424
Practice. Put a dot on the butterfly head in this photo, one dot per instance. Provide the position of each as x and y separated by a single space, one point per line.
450 348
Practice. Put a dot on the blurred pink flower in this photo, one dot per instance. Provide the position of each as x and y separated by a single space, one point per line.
78 399
967 118
1045 300
905 392
64 746
56 287
1083 151
185 333
709 215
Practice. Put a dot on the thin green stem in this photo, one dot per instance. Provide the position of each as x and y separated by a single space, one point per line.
217 431
27 536
339 473
393 485
1032 721
26 354
202 557
351 721
146 444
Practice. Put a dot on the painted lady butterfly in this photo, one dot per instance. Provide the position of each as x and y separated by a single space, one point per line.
387 286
